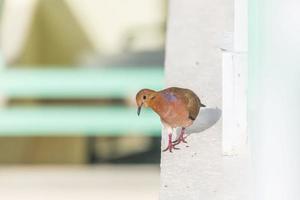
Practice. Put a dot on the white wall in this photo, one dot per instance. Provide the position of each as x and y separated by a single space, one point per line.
194 60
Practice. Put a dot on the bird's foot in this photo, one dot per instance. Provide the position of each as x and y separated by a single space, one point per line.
170 147
179 140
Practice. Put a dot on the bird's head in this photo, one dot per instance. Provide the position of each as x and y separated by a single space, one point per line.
144 98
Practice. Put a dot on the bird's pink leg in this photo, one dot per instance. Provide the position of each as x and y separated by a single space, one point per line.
180 138
170 146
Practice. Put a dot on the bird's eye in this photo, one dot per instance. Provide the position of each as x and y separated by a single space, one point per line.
144 97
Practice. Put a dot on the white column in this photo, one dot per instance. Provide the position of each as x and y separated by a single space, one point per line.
235 84
235 147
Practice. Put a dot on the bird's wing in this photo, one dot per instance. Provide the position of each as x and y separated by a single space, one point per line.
190 99
193 104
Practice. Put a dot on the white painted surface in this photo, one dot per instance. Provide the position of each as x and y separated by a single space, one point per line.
194 60
235 85
236 160
234 103
241 26
228 105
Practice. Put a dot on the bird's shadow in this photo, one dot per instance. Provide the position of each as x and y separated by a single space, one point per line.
206 119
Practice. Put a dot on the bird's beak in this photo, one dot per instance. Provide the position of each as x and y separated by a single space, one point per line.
139 109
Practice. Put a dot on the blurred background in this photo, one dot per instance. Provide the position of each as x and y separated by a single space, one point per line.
69 74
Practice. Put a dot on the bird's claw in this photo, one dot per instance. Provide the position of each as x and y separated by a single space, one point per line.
179 140
175 141
170 147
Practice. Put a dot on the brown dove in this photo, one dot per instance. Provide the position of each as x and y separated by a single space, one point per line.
177 107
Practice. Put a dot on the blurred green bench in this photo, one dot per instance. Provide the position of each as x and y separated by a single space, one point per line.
78 83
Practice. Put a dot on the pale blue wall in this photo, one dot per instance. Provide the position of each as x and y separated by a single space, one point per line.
274 97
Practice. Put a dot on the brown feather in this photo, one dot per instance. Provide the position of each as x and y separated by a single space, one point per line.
177 107
191 100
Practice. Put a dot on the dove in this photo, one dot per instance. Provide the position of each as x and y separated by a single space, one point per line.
176 107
